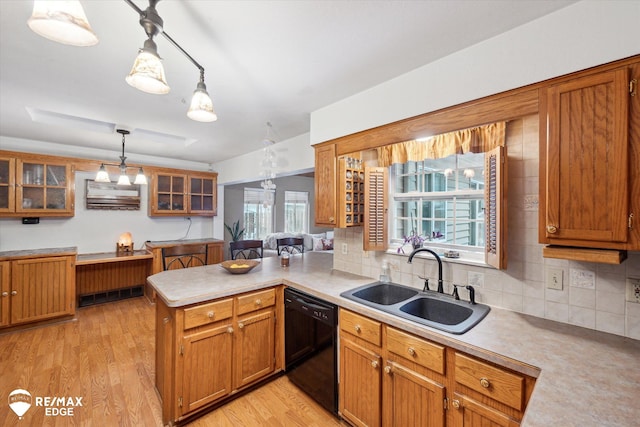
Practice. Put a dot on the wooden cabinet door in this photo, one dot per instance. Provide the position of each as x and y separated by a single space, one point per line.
411 399
255 350
360 384
216 253
207 366
586 153
5 286
44 189
375 209
7 184
42 288
469 413
325 186
168 194
202 195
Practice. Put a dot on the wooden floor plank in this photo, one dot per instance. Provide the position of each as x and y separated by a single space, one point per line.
107 357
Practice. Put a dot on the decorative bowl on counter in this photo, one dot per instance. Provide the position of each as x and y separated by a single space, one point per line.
239 266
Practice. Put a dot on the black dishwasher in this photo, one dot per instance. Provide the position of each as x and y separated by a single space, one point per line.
310 346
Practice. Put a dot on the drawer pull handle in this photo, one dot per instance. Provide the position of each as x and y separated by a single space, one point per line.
374 364
210 314
230 330
411 351
5 294
258 301
455 403
358 328
552 229
240 325
387 369
14 292
484 382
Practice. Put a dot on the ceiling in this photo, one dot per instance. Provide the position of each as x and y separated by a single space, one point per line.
265 61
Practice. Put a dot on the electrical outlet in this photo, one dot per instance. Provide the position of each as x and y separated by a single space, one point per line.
344 249
554 278
633 289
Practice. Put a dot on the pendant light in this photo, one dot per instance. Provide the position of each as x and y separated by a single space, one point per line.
63 22
147 73
123 179
201 108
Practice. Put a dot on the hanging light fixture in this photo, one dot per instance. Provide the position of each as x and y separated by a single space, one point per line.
123 179
147 73
268 165
63 22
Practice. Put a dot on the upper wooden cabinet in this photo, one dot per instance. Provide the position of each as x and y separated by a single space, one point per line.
325 186
183 194
587 143
34 187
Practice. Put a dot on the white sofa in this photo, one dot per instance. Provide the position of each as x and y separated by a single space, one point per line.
312 242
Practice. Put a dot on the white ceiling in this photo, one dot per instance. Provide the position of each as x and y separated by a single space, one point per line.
265 61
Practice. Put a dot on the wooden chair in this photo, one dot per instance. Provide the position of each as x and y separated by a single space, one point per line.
293 245
185 256
247 249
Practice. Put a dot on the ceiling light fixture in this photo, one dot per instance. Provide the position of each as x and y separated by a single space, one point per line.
63 22
147 73
103 175
268 167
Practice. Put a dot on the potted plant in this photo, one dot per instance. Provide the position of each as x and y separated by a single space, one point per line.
414 239
234 231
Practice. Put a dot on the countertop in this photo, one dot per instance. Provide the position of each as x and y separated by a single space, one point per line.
31 253
584 377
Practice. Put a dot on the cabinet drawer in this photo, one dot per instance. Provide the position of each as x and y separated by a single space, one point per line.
362 327
256 301
498 384
418 350
208 313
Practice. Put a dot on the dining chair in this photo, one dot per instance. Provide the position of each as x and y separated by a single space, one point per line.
247 249
184 256
293 245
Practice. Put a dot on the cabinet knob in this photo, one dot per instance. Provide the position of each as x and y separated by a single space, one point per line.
5 294
484 382
258 301
552 229
332 219
14 292
455 403
387 369
230 330
411 351
358 328
375 364
240 325
165 320
210 314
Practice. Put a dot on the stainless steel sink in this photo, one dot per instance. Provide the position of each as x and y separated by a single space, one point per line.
429 308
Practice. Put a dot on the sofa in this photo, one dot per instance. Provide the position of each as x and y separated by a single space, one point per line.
312 242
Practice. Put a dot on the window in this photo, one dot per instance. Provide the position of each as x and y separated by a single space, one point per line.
258 213
296 212
442 200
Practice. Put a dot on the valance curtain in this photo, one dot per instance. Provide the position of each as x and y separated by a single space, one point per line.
473 140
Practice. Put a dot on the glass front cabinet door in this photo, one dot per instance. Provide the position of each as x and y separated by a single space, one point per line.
43 189
7 185
168 194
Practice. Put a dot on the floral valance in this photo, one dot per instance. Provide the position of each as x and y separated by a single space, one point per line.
473 140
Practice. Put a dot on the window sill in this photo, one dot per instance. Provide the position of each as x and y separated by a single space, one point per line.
466 257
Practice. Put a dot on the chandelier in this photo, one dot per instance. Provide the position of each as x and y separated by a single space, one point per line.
103 175
268 165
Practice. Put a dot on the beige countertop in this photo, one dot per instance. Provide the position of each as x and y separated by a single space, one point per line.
31 253
584 378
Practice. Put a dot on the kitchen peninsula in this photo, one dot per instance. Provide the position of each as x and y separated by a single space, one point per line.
582 377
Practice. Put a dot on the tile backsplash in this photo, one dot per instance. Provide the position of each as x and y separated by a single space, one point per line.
592 295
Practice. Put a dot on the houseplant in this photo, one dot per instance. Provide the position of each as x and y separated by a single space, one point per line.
234 231
414 239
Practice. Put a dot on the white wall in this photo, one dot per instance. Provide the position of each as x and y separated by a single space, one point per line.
580 36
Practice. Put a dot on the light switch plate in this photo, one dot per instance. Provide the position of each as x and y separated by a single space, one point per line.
554 278
633 289
345 249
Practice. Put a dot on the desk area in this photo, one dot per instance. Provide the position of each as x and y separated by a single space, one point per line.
111 276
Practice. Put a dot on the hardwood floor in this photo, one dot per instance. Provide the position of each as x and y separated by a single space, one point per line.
106 358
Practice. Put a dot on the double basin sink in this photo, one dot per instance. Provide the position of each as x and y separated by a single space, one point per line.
429 308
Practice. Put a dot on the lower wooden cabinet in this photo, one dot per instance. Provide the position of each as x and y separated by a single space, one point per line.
37 288
392 378
208 352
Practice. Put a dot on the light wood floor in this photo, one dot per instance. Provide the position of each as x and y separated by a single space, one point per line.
106 357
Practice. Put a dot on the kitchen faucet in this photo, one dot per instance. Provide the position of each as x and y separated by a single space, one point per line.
415 251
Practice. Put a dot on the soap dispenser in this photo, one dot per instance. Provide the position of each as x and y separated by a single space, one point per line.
384 275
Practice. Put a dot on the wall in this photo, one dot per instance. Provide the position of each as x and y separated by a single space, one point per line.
579 36
521 287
